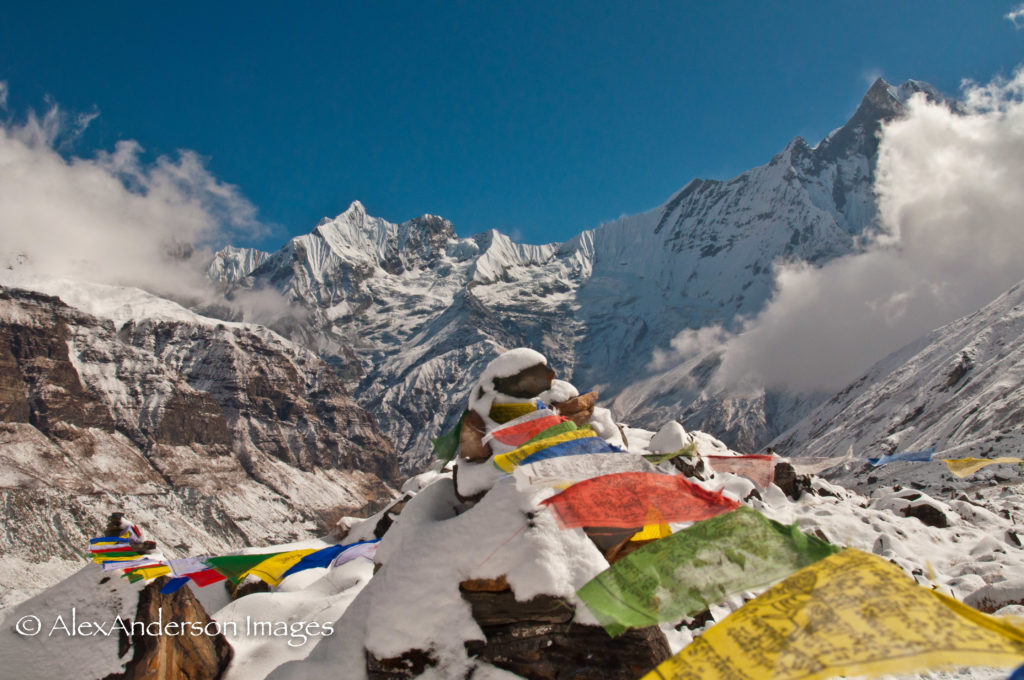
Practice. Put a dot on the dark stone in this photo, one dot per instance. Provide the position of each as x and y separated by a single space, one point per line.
539 651
527 383
501 608
408 665
928 514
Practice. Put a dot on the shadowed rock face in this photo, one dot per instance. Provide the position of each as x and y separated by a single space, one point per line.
200 653
210 436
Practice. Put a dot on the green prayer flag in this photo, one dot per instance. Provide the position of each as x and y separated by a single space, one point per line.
688 451
682 574
233 566
448 443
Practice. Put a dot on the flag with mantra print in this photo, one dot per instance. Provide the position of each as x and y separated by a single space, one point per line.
851 614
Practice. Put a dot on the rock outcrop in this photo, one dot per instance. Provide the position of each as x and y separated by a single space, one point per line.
185 643
212 435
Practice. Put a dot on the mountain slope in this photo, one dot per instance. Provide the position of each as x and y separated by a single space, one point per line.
418 309
960 388
214 435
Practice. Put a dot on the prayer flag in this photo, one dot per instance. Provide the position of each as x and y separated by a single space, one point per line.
682 574
272 569
567 470
964 467
448 443
517 433
502 413
851 614
635 499
367 549
917 456
758 468
235 566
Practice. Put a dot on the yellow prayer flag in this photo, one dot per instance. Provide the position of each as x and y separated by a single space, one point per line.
272 569
503 413
509 461
151 572
964 467
652 532
850 614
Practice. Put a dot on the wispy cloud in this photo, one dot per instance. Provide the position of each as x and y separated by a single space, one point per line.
948 187
1016 16
111 218
3 95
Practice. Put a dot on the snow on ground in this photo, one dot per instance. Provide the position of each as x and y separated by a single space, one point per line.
331 616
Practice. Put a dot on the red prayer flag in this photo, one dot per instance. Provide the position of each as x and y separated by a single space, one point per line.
517 435
206 577
635 499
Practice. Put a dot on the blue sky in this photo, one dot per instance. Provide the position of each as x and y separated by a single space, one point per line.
540 119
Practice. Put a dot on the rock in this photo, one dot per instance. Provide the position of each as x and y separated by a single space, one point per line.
236 435
928 514
995 596
200 656
471 446
578 409
539 651
792 484
536 639
526 384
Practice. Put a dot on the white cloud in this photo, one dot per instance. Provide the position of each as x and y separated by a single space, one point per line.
3 95
950 204
1016 16
111 218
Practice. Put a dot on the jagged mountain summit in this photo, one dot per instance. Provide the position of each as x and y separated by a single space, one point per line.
215 435
960 388
408 310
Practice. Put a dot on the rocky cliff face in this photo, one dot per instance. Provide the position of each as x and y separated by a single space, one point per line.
409 310
210 435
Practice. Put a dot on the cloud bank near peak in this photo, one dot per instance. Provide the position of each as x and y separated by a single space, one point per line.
948 188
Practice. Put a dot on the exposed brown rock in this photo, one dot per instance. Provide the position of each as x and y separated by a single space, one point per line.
578 409
187 651
471 446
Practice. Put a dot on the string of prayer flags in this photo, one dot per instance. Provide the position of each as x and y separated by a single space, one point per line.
565 471
965 467
118 565
682 574
922 456
851 614
635 499
688 451
272 569
758 468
